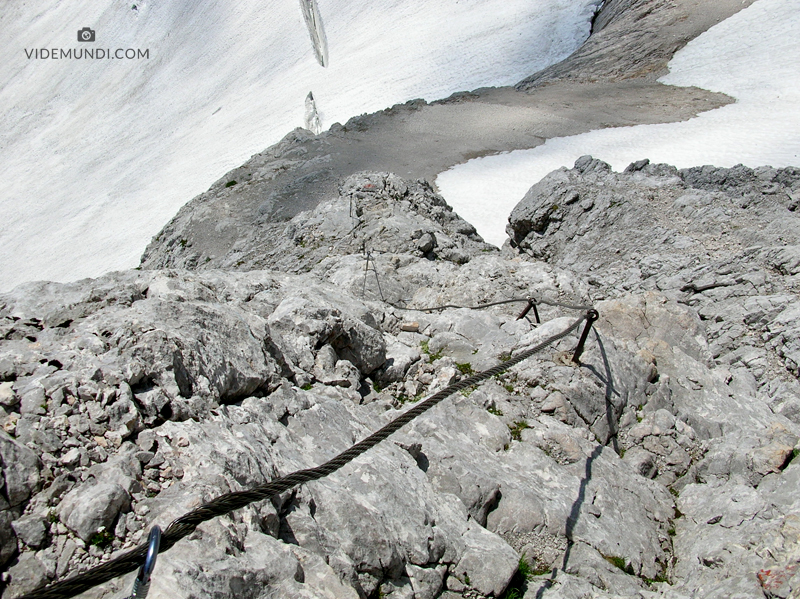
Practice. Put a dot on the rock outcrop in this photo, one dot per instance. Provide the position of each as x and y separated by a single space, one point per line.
662 464
611 81
372 212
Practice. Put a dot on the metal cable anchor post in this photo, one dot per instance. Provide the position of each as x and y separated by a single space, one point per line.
141 586
531 304
591 316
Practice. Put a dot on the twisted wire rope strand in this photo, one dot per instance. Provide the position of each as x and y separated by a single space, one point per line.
224 504
533 300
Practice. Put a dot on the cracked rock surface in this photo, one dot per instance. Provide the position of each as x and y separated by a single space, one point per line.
662 464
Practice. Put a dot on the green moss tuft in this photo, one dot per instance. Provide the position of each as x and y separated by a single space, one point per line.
465 368
517 428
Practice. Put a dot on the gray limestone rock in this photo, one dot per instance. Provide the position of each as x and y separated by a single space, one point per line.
26 575
31 530
20 471
372 212
8 539
90 508
662 464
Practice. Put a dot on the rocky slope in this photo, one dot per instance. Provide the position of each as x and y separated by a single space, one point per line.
663 464
611 81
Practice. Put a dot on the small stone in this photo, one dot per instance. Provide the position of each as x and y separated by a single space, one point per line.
56 399
71 458
114 438
30 530
426 243
410 327
87 508
8 541
146 440
65 557
7 396
156 461
553 402
10 423
28 574
144 456
20 470
34 401
121 529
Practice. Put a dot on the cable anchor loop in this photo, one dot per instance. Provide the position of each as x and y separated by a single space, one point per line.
531 304
591 316
141 586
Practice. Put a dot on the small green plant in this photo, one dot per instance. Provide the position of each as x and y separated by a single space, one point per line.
468 391
466 579
671 531
101 538
519 584
658 578
504 357
230 184
494 410
426 350
673 491
541 571
52 516
524 568
509 387
517 428
621 452
183 243
465 368
307 387
377 386
619 563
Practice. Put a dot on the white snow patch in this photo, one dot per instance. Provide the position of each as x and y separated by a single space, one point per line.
97 155
752 56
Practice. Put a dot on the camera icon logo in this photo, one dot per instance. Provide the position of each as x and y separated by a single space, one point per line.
86 35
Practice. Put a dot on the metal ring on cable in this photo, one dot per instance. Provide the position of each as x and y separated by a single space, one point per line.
141 586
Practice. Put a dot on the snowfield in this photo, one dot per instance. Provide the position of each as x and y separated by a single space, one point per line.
97 155
753 56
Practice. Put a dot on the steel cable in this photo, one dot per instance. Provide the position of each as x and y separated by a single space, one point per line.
224 504
532 300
